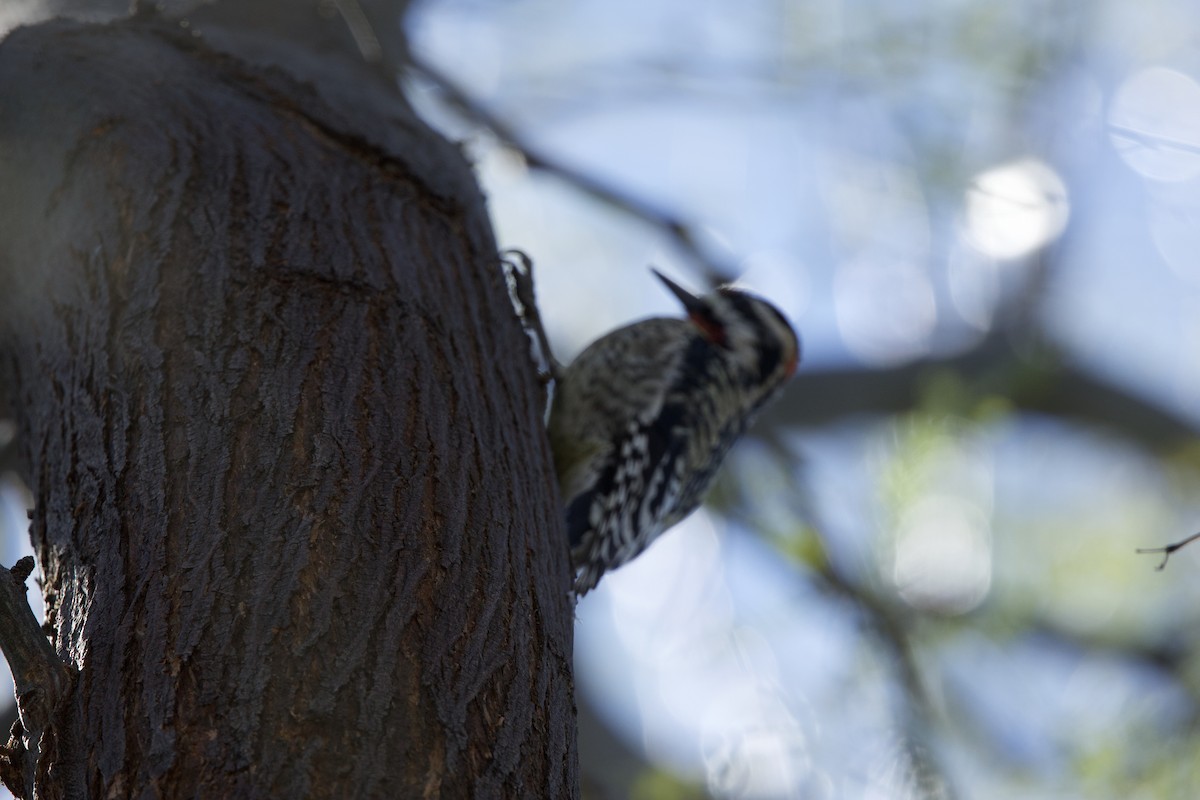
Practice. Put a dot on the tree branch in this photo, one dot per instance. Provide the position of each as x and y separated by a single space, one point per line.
683 235
41 678
1047 384
1169 549
890 629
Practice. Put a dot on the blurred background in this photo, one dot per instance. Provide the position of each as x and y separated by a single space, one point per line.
917 576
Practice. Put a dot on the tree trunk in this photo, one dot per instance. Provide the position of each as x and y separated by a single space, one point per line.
294 504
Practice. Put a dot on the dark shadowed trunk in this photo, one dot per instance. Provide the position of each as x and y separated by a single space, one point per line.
294 504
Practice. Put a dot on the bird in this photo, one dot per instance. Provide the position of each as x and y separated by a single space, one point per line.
642 418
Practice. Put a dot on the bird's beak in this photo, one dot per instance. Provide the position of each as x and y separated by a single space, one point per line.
698 311
689 300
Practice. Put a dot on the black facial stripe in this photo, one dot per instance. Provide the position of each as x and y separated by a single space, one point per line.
770 354
694 370
770 347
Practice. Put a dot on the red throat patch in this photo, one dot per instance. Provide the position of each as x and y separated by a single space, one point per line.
712 331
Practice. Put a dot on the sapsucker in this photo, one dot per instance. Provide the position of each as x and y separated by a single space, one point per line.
643 417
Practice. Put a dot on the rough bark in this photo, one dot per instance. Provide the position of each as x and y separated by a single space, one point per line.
294 506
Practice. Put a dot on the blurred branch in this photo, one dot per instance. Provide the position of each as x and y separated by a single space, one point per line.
1171 653
1153 141
370 29
684 236
1033 382
361 29
890 626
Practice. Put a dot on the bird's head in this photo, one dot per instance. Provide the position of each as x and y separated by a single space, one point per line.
752 334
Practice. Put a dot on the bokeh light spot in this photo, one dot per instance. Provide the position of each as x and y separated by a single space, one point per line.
1155 124
1015 208
943 558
